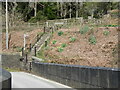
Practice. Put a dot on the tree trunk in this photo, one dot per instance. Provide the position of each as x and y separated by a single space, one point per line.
61 14
58 9
76 9
14 16
35 9
70 11
65 12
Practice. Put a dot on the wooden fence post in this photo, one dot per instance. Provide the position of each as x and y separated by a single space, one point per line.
30 47
44 29
26 58
52 29
57 27
30 67
22 51
45 43
37 38
35 51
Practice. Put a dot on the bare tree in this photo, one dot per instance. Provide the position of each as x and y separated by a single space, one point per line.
76 8
61 6
13 13
70 10
65 11
58 8
35 8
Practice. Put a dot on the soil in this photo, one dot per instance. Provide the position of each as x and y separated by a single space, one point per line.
81 52
16 40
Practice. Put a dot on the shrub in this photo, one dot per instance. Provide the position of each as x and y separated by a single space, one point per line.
60 33
47 48
63 45
38 17
54 42
72 39
84 30
60 49
33 20
106 33
19 49
92 39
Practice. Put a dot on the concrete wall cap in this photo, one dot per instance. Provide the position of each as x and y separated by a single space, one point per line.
80 66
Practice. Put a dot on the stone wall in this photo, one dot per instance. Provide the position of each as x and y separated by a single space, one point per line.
11 61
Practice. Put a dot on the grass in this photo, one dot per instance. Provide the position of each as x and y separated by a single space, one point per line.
54 42
63 45
19 49
84 30
12 69
60 33
92 40
40 54
106 33
60 49
72 39
112 25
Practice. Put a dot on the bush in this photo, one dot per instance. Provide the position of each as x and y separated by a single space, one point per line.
72 39
33 20
84 30
60 33
38 17
60 49
92 40
106 33
54 42
63 45
19 49
47 48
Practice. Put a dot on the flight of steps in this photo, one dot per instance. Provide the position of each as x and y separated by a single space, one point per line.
38 45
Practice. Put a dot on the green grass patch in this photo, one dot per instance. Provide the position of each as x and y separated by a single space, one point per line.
40 54
60 49
72 39
12 69
106 33
54 42
92 40
40 33
17 48
111 25
63 45
60 33
84 30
